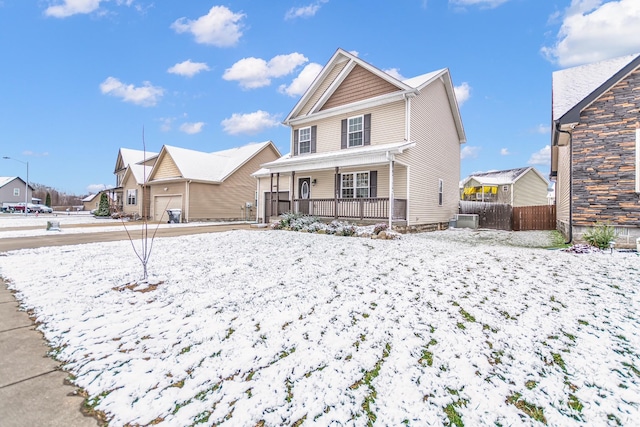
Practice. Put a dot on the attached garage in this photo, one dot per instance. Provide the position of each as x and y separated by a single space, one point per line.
164 202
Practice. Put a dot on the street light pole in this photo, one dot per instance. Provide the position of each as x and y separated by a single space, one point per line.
26 185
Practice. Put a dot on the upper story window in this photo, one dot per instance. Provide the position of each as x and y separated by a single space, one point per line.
356 131
355 126
16 191
440 192
304 141
132 197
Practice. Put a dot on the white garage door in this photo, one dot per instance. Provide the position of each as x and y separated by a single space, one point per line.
162 203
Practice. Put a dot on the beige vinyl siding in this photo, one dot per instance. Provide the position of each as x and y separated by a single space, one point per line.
131 184
263 184
562 184
530 190
360 84
227 201
331 76
166 169
387 126
435 156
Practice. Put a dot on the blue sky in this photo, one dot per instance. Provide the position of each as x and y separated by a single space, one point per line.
82 78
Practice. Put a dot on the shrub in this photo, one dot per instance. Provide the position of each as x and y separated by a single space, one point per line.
600 235
380 227
103 207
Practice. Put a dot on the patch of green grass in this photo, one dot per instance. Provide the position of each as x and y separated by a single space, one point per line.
530 385
460 325
535 412
632 368
455 419
201 418
299 422
574 403
185 350
583 322
367 379
468 317
557 359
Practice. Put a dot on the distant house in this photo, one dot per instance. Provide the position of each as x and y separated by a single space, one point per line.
595 158
367 146
12 189
91 202
516 187
207 186
129 171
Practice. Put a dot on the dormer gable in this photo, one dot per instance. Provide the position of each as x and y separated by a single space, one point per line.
358 85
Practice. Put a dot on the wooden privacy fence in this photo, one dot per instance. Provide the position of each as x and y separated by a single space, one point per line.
490 215
541 217
504 217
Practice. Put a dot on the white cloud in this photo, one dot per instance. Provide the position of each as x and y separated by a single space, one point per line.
505 152
252 73
146 95
395 72
188 68
192 128
304 11
481 3
469 152
220 27
166 123
249 124
463 93
542 157
300 84
542 129
594 30
72 7
96 188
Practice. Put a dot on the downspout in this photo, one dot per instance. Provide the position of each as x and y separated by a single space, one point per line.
570 237
390 157
188 202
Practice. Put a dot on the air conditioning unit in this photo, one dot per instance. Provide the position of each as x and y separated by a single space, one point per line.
467 221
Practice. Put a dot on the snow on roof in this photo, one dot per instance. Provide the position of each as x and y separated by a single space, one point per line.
90 197
4 180
140 172
572 85
130 156
416 82
214 166
498 177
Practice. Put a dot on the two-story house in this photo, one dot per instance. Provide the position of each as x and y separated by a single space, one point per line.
131 171
367 146
595 156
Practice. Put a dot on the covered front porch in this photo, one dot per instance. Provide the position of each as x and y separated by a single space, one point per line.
364 188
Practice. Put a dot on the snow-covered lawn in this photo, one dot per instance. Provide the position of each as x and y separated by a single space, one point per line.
283 328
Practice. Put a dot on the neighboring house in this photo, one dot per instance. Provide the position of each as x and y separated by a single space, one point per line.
595 156
12 189
207 186
129 172
366 146
516 187
91 202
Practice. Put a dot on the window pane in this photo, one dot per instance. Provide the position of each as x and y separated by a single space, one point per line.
362 192
305 134
362 180
305 147
355 124
347 180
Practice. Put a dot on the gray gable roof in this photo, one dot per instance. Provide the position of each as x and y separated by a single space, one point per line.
573 89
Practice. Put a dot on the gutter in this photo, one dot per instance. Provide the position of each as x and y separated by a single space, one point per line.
558 129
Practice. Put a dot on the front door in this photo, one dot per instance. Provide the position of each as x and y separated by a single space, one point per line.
304 194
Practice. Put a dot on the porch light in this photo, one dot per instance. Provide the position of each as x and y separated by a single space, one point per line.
313 182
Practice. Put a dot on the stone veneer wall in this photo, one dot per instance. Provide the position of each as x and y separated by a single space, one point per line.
604 158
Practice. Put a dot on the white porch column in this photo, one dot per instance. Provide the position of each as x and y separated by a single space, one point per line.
391 192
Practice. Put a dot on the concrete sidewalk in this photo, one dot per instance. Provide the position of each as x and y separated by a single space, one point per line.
32 388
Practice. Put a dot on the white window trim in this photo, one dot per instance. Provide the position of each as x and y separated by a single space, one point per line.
355 185
361 131
505 188
300 140
135 197
440 192
16 192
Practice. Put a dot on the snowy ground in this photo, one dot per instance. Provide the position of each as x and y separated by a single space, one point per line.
21 226
284 328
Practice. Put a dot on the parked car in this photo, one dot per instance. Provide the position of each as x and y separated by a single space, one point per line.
41 209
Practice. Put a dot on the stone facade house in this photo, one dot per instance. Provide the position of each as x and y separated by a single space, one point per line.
595 158
366 146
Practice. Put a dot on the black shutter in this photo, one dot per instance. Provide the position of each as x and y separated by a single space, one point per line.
314 129
343 140
295 142
367 129
373 183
